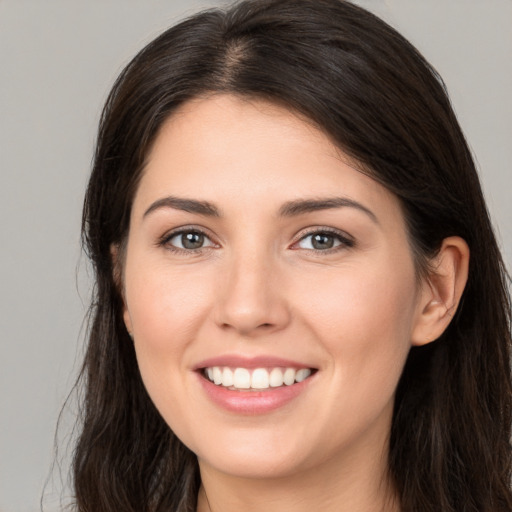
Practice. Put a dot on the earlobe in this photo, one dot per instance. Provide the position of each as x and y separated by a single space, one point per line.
127 321
441 291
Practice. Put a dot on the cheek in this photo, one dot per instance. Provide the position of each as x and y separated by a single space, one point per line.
364 317
361 299
166 308
165 305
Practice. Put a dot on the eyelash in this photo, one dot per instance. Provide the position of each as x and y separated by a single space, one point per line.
345 241
165 241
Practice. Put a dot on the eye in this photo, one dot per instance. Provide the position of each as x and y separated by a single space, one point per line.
188 240
324 241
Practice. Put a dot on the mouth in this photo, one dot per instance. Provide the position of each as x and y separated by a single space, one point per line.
254 385
255 379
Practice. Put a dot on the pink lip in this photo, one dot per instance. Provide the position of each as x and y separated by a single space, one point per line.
252 402
236 361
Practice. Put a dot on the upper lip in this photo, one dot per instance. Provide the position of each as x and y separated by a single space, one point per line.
238 361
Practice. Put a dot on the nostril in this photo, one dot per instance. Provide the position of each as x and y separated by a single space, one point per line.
265 325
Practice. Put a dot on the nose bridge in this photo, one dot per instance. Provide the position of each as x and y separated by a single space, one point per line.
250 297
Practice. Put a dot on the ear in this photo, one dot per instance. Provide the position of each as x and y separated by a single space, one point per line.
441 291
128 321
116 253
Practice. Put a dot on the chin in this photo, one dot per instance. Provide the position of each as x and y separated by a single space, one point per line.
257 454
255 466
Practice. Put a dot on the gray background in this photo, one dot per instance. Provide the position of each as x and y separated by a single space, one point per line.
58 59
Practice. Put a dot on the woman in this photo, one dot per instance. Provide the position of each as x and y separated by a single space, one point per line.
299 297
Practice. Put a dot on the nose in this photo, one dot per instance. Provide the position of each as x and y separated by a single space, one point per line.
252 300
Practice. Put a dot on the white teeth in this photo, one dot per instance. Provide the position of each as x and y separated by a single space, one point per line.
227 377
242 378
302 374
217 375
289 376
276 378
259 378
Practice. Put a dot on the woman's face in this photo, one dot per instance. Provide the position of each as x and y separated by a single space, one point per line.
258 257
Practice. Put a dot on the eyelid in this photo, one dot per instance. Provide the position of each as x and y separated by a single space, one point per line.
164 240
347 241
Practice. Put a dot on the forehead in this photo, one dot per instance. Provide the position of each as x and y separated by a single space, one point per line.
251 153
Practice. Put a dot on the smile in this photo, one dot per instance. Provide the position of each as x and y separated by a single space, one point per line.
257 379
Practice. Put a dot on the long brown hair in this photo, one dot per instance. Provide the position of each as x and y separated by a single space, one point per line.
384 105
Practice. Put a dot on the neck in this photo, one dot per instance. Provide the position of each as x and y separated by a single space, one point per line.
357 487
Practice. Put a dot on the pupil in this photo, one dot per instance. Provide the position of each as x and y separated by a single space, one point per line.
322 241
192 240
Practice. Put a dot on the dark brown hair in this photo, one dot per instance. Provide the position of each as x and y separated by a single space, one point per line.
385 106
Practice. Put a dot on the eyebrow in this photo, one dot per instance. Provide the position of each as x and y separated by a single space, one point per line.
289 209
301 206
186 205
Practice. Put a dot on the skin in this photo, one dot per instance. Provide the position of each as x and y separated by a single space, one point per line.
258 287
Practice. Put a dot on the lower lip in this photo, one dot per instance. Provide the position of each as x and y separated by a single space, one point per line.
252 402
